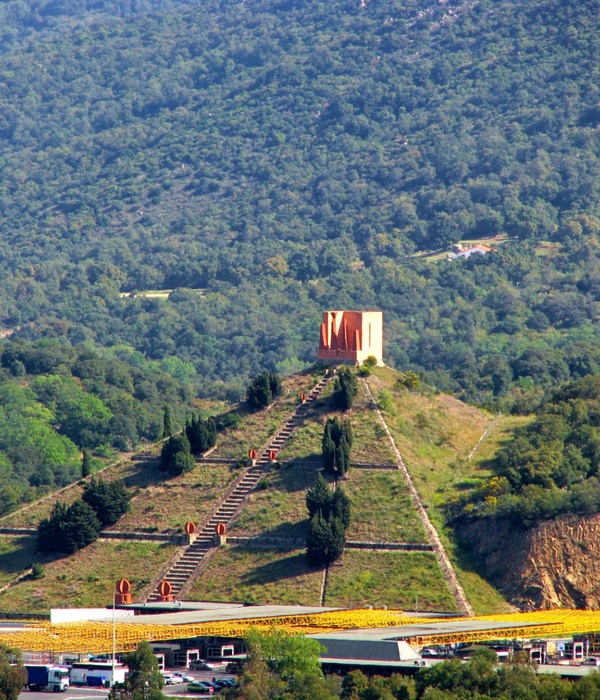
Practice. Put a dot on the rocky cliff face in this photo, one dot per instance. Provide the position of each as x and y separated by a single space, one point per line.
556 564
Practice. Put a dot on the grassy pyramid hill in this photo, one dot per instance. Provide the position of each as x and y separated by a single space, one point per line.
436 435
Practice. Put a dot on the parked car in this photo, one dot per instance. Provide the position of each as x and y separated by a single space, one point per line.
198 687
200 665
431 652
590 661
234 667
170 679
183 678
201 687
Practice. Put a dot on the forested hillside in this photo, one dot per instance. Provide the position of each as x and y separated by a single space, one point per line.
270 159
56 401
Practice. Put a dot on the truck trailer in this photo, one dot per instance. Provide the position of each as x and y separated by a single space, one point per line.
47 677
93 673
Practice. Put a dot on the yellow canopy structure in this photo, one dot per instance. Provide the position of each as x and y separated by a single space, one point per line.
97 637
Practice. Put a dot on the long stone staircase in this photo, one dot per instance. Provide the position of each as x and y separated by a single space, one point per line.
182 571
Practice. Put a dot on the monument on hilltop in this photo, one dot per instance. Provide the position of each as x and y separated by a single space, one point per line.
351 336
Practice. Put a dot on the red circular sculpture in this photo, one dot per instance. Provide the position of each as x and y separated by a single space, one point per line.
165 588
272 455
190 528
252 454
123 586
221 528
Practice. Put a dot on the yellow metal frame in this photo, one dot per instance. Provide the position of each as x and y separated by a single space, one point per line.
96 637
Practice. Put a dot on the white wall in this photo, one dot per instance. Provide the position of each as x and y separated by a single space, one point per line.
58 615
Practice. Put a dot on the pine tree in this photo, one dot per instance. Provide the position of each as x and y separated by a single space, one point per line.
319 498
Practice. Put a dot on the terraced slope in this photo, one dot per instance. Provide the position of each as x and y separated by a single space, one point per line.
264 560
183 570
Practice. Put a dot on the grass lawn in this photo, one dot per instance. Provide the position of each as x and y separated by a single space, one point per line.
279 510
165 506
87 578
159 504
382 510
395 579
435 435
259 576
16 556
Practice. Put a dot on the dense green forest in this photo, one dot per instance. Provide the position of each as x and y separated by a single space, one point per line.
271 159
56 400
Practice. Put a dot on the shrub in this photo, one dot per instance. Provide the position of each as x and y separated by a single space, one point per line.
37 570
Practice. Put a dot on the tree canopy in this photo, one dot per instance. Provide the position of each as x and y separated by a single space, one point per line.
248 165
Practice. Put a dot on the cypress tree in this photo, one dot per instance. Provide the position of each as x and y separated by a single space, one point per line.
340 507
109 500
337 540
167 423
347 389
274 385
328 448
176 456
346 432
86 464
211 428
342 457
202 437
258 394
318 498
318 541
336 446
190 430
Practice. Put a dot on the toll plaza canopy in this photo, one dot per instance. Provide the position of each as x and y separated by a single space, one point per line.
96 636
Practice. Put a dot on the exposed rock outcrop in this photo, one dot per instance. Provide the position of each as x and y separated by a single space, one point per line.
556 564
